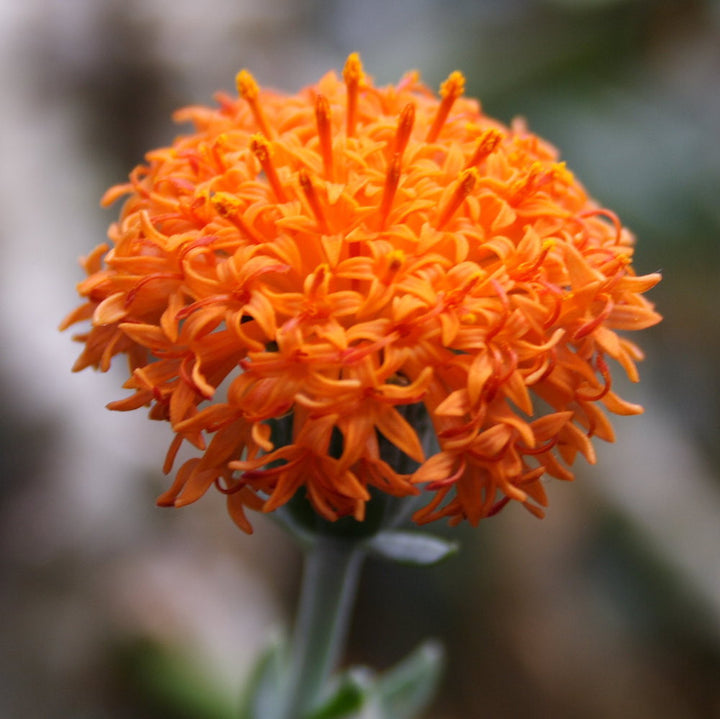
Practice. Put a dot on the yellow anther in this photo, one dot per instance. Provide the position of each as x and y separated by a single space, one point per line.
225 204
230 207
353 70
262 150
249 90
450 90
454 86
487 144
353 75
466 182
247 87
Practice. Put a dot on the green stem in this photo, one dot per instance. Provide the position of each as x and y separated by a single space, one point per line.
330 578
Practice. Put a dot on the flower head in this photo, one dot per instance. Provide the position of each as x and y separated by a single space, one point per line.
303 276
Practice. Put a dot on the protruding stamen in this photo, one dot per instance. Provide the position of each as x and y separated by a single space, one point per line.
487 144
404 128
450 91
213 153
530 184
537 178
392 178
261 148
324 128
468 179
229 207
250 92
313 200
353 75
219 148
527 271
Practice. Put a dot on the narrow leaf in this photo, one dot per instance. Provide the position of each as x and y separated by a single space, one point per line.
347 699
409 687
411 548
265 684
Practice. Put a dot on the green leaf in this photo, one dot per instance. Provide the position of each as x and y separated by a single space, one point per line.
411 548
401 693
264 687
348 697
409 687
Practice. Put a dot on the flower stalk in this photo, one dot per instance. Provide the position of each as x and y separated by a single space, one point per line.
329 586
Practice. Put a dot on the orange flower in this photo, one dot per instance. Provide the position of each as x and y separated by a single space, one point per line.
307 284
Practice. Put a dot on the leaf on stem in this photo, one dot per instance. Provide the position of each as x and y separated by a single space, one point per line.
412 548
401 693
406 689
265 685
350 695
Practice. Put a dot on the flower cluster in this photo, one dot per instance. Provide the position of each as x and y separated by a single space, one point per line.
336 262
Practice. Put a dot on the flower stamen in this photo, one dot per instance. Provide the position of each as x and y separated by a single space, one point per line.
487 144
261 149
353 75
311 196
324 128
392 178
536 178
404 128
450 90
248 89
228 206
466 183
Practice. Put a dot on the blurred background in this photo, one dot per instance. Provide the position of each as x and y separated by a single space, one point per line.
112 608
